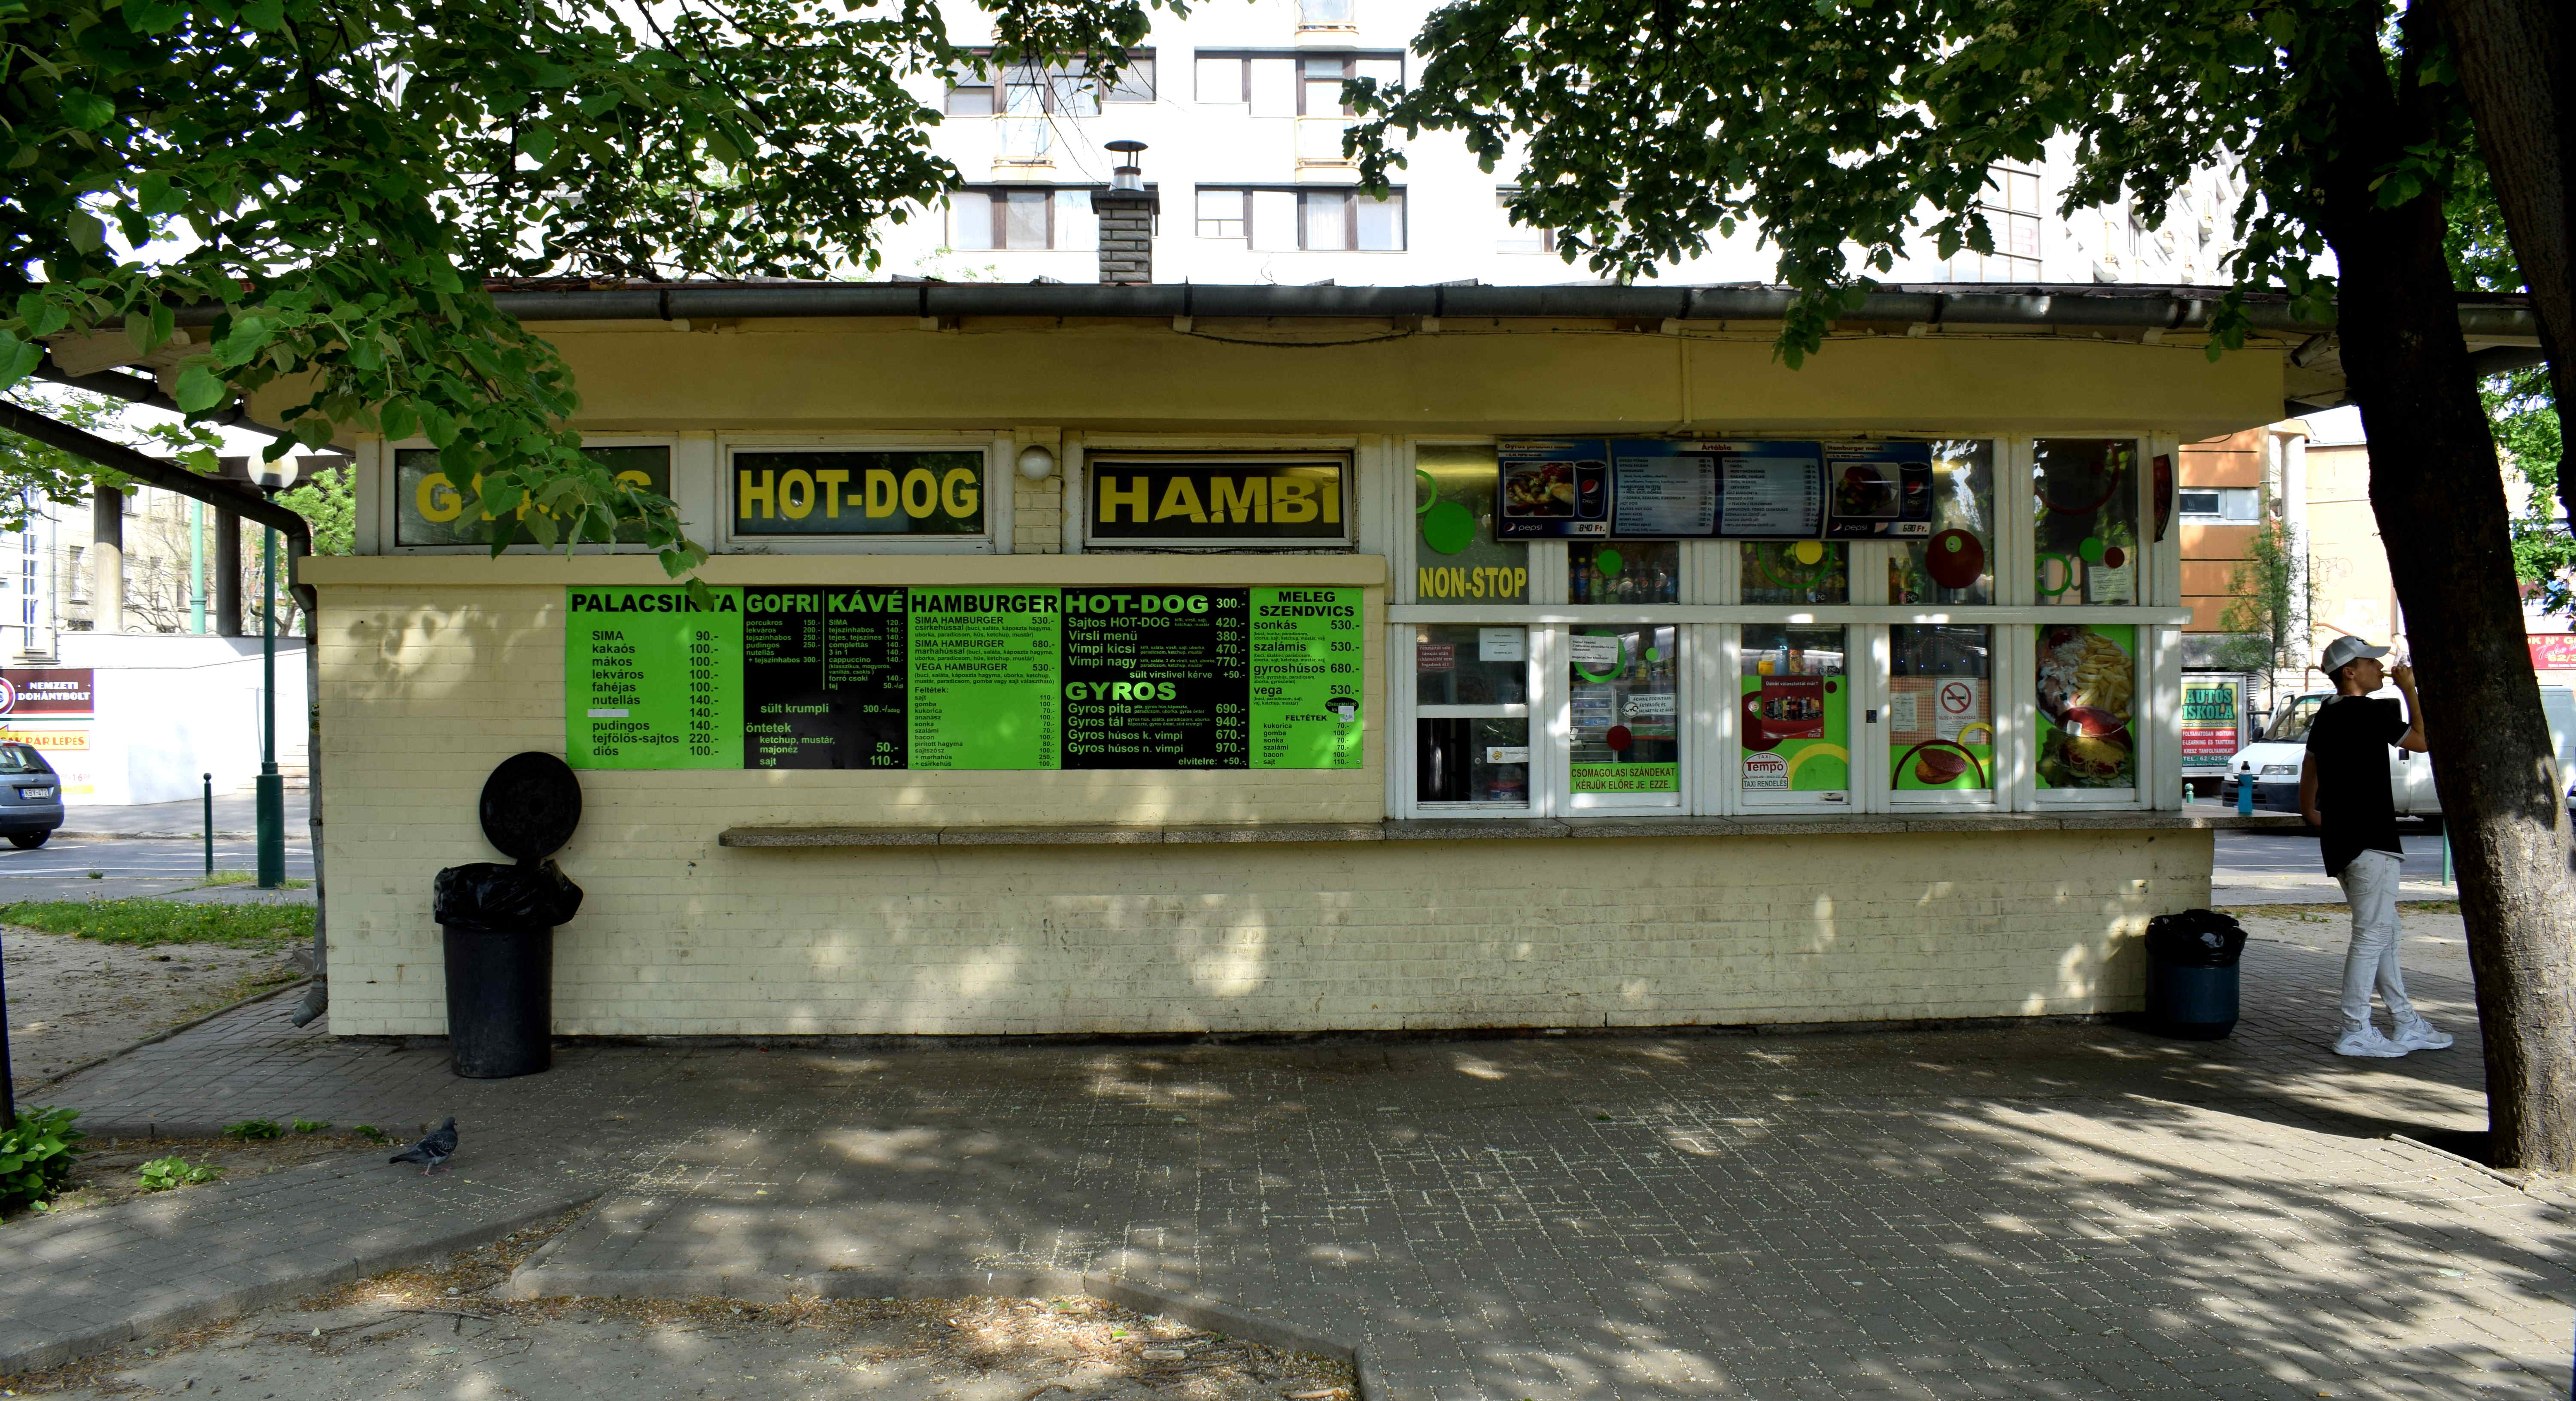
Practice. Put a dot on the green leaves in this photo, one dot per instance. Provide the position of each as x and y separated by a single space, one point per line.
199 390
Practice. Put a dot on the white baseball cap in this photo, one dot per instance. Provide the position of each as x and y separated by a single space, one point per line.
2347 649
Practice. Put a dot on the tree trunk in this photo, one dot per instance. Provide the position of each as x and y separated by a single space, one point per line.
2439 499
2511 57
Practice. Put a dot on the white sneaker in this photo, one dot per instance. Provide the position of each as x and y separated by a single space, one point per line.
2366 1041
2419 1035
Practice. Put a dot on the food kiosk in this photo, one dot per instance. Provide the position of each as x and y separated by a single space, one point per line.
1080 660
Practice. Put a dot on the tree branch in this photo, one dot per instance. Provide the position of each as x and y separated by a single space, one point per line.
154 472
135 389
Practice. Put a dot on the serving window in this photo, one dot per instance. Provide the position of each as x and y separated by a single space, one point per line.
1935 655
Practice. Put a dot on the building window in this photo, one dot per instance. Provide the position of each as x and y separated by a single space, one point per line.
1023 217
1519 238
1063 90
1313 221
1299 84
1956 562
1328 14
1225 214
2227 505
2010 204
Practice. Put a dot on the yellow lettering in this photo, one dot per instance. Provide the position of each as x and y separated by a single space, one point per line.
880 493
1238 498
633 478
1111 498
1333 501
1520 583
831 480
1181 499
1292 502
745 495
437 498
958 495
796 494
928 499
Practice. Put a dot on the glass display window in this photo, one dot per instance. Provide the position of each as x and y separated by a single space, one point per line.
1796 571
1940 709
1471 715
1796 722
1456 558
2085 520
1624 572
1956 563
2085 689
1624 716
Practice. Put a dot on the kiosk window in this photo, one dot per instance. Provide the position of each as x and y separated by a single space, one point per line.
1628 571
1956 563
2085 519
1625 714
1940 708
1471 726
1797 714
1456 558
1796 571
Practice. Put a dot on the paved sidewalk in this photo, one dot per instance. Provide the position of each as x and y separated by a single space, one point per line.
2032 1211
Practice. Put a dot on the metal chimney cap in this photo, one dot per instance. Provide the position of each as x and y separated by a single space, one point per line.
1124 147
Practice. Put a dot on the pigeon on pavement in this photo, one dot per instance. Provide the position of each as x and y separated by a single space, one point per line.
432 1151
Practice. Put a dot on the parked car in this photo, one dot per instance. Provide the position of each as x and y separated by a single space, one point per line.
2271 763
31 796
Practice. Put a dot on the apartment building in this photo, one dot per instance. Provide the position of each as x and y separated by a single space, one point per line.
1240 111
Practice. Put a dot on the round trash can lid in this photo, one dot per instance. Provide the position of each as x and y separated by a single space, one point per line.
531 803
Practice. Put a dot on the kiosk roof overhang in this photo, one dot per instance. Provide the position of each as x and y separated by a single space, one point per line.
2501 329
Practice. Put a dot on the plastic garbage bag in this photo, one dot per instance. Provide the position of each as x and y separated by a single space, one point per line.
2195 939
491 898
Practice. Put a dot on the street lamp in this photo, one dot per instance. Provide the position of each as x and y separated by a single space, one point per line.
271 477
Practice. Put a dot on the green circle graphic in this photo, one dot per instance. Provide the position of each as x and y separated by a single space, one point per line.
1448 528
1609 563
2091 548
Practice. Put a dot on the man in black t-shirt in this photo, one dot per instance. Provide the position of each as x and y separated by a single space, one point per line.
2344 792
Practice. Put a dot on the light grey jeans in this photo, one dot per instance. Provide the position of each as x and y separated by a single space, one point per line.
2370 887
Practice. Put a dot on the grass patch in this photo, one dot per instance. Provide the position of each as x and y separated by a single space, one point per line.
149 923
2430 907
248 878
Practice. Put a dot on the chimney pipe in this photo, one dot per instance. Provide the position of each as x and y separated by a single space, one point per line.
1126 211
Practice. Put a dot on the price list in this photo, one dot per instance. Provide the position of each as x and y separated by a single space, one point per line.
981 668
1306 676
823 678
653 679
1156 679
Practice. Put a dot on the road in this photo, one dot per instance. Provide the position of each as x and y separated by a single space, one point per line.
60 869
2250 858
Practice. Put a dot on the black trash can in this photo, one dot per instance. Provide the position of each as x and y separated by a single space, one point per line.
2192 975
499 923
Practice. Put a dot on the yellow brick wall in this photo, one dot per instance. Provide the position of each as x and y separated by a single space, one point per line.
426 685
679 936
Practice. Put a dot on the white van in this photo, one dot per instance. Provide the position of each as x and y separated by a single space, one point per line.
2271 763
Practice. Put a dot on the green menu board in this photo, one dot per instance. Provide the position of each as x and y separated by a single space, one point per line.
652 680
1306 678
982 674
823 677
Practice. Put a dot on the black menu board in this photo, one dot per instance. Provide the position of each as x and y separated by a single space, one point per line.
823 678
1155 679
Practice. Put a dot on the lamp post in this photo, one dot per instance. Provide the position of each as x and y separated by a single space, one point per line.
271 477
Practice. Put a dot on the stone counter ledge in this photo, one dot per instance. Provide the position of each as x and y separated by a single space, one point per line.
1503 829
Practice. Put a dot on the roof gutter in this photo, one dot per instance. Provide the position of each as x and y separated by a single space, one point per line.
2013 306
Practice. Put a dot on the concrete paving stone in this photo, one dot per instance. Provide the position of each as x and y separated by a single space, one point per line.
1496 1233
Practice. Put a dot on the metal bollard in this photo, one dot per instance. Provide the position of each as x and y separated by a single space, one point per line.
210 824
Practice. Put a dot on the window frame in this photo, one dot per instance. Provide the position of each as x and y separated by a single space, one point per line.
999 221
1107 94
